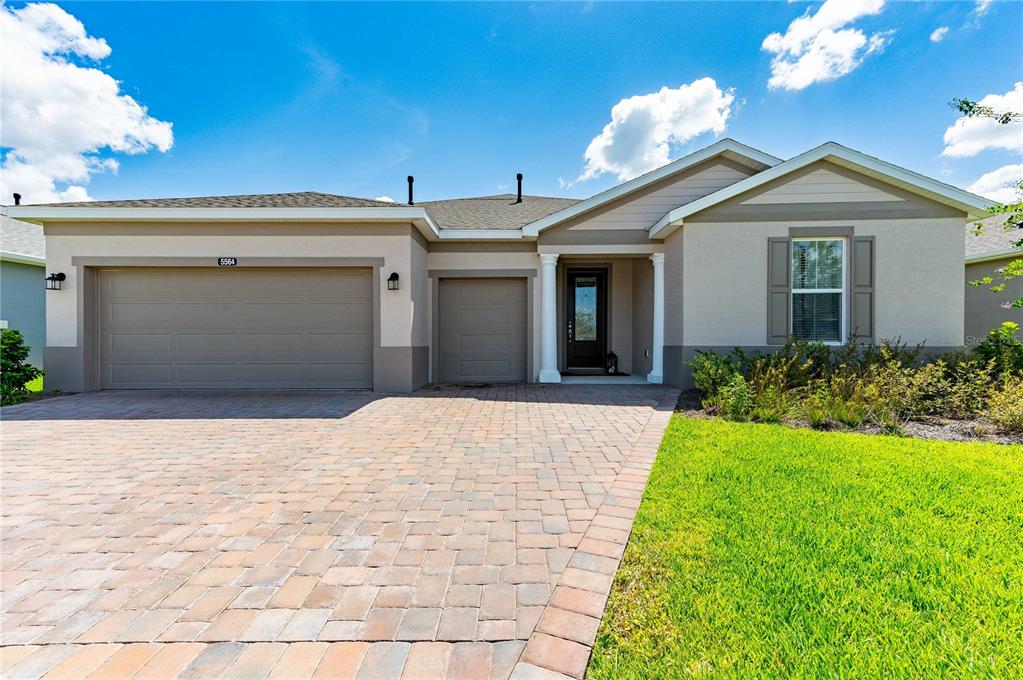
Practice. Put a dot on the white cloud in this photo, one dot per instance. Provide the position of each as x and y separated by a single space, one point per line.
970 136
60 114
999 185
643 128
817 48
385 199
939 34
981 7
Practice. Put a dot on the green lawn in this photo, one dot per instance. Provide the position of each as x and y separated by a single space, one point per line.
766 551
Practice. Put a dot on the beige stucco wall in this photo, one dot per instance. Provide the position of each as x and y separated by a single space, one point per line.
983 308
212 241
918 286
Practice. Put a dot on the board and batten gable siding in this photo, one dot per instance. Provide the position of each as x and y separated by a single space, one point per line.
918 276
637 212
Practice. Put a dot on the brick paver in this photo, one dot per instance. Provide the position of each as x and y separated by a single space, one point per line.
339 534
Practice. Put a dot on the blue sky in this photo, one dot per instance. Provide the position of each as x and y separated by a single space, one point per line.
351 98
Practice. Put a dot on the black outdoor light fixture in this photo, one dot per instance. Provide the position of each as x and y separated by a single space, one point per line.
54 281
392 281
612 363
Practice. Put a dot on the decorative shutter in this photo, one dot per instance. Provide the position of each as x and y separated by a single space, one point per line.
861 307
779 288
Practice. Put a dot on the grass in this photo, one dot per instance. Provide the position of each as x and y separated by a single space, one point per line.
761 550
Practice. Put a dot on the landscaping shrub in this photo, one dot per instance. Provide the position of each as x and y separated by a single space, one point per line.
735 399
1002 348
711 372
1005 404
14 371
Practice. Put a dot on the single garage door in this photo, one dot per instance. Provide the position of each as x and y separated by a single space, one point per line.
482 330
256 327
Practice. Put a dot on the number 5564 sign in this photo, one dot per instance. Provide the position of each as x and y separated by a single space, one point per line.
227 261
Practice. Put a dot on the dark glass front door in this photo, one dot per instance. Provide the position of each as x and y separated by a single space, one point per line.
586 319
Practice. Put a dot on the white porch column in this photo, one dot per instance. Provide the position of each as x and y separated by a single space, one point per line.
549 319
656 374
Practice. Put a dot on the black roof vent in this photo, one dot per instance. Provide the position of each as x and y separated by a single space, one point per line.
411 179
519 178
17 198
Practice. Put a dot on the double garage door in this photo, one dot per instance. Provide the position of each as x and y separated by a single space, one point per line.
227 328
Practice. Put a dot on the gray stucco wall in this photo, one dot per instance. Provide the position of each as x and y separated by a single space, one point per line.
23 304
983 308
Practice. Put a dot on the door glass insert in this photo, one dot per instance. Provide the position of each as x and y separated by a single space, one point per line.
585 327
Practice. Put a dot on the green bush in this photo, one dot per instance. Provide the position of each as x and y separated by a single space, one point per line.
711 372
956 386
735 399
835 400
1005 404
1002 348
14 371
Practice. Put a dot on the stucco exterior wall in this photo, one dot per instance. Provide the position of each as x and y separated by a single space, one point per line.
983 308
23 304
918 279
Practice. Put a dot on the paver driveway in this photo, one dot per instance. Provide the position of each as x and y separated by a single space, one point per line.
250 533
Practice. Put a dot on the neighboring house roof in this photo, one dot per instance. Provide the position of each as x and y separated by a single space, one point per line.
974 206
988 240
22 242
494 212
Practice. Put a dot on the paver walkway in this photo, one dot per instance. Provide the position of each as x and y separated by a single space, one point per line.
317 534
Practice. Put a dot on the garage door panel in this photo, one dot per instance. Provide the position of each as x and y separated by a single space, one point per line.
236 328
482 330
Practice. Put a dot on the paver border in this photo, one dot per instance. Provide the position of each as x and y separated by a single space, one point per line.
562 641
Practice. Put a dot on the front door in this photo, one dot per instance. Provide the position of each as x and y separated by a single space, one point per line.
586 315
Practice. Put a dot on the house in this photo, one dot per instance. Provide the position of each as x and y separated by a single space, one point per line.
22 283
728 246
987 249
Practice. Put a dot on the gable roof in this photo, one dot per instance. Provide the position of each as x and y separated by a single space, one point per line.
22 242
499 212
301 199
728 148
974 206
993 241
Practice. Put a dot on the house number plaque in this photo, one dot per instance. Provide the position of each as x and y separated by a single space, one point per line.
227 261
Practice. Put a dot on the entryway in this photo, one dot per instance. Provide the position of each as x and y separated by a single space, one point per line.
586 320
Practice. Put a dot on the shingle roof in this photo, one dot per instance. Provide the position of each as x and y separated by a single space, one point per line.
993 237
483 212
301 199
493 212
21 237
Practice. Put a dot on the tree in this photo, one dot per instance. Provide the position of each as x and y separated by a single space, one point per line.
1013 211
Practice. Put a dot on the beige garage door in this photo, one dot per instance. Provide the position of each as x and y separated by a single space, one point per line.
236 328
482 330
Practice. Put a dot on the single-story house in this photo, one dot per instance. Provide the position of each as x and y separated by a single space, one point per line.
728 246
989 248
22 283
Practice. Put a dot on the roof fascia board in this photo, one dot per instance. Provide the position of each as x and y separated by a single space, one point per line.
718 148
994 255
974 206
416 215
22 258
481 235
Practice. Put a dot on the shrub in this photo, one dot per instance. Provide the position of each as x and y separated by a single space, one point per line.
1003 348
735 399
890 397
711 372
837 399
771 388
956 386
14 371
1005 404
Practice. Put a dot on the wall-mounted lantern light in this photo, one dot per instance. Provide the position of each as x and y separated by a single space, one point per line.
54 281
392 281
612 363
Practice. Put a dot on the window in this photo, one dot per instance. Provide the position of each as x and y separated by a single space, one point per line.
818 289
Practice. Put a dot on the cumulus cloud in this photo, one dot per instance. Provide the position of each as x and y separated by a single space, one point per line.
385 199
60 113
999 185
970 136
819 47
643 128
939 34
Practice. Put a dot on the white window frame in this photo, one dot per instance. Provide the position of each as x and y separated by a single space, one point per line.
843 297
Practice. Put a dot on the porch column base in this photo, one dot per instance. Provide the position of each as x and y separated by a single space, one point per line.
655 378
550 377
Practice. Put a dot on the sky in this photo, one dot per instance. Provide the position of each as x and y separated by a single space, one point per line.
132 100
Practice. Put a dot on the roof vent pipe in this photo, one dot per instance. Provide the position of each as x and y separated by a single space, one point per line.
519 178
17 198
411 179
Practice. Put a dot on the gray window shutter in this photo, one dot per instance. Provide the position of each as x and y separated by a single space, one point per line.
779 288
861 306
